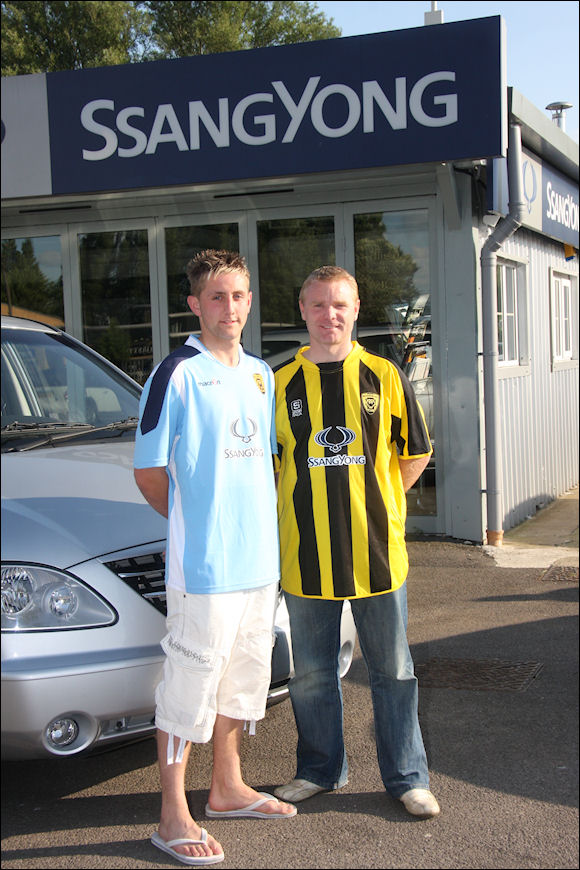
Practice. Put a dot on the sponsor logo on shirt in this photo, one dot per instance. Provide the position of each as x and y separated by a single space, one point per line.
248 453
335 438
245 431
213 383
315 461
334 443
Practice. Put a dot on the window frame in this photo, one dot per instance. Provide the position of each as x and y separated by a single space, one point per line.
519 364
563 339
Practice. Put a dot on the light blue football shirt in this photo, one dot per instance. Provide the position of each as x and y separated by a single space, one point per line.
213 428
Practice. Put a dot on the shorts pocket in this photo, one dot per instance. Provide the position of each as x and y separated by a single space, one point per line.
193 674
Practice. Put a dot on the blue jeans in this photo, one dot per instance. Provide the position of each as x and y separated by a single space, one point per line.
316 692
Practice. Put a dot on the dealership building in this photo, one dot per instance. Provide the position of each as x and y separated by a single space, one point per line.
402 156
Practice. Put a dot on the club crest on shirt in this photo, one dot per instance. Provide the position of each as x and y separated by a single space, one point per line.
370 402
260 382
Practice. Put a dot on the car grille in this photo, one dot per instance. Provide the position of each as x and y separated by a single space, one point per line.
146 575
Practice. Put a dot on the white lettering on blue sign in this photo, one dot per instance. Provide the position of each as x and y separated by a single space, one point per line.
166 127
561 209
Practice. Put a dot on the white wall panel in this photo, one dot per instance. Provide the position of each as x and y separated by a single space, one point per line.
539 410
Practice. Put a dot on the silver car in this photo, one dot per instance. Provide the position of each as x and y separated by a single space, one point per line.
83 594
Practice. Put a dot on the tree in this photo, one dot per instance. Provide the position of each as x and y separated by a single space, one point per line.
75 34
24 284
180 29
289 250
384 272
48 36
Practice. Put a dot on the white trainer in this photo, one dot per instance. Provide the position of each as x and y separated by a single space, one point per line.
298 790
420 802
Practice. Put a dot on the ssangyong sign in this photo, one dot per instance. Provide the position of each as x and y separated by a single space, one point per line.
551 199
403 97
253 121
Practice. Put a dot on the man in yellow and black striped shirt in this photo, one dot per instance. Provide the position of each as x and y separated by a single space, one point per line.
351 440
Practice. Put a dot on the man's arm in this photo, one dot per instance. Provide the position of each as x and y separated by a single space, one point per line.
154 485
412 469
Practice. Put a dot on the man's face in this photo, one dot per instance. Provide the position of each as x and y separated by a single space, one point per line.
330 309
222 307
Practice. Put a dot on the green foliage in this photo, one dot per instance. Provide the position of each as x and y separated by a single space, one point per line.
48 36
384 272
75 34
289 250
116 295
24 284
192 28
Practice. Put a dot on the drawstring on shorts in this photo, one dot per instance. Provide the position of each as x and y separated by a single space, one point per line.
180 749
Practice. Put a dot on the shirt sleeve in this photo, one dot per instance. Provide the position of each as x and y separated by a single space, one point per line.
273 436
408 427
160 415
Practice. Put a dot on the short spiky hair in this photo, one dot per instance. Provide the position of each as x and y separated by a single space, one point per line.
329 273
212 263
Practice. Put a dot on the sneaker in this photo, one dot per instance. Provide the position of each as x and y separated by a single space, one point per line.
420 802
298 790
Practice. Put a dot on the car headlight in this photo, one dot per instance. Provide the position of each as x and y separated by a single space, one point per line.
35 598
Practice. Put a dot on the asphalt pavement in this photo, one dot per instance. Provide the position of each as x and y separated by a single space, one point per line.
494 636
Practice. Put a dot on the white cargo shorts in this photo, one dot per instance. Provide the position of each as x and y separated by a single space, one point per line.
218 660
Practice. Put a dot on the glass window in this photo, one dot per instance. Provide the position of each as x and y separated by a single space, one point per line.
32 279
288 250
181 244
507 314
562 320
393 274
116 298
48 380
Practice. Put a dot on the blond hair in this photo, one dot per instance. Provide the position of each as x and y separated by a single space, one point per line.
329 273
212 263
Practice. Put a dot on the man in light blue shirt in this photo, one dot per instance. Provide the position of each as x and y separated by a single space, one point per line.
203 459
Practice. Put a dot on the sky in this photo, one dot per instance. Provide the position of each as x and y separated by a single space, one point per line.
541 40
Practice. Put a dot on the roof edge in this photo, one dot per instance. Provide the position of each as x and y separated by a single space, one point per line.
543 136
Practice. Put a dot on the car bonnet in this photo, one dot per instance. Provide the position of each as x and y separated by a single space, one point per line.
64 505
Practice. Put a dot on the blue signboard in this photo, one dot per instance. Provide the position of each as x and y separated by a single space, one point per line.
551 199
402 97
559 206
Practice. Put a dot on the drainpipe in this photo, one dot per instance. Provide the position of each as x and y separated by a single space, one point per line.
504 229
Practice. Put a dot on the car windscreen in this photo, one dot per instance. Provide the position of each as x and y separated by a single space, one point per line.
51 383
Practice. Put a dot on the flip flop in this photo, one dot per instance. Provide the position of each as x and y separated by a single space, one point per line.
251 811
169 847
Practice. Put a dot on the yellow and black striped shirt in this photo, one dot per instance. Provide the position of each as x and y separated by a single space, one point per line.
341 505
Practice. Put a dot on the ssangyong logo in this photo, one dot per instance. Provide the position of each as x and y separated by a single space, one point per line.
246 435
335 438
346 436
248 120
244 430
561 208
